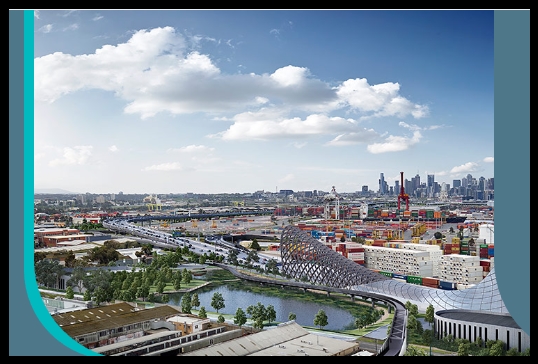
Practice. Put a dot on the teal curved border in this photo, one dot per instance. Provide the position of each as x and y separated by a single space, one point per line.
512 153
29 273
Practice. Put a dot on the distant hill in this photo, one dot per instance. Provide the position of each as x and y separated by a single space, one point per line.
53 191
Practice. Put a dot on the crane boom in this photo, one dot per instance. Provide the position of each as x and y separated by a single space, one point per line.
402 195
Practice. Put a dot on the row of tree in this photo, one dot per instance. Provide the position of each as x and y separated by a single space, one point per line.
259 314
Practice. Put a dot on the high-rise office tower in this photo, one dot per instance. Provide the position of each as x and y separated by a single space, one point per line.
431 179
382 190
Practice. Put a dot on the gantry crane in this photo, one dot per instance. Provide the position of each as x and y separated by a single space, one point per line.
333 196
403 195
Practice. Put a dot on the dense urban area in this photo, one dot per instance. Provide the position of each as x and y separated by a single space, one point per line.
95 250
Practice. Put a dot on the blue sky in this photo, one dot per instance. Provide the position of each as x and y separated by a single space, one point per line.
226 101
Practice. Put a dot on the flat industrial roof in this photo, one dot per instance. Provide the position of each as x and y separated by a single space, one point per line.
288 339
107 317
478 317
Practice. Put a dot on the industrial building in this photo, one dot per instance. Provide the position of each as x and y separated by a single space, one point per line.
287 339
471 325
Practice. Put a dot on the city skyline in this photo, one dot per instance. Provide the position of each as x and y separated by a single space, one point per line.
392 188
181 101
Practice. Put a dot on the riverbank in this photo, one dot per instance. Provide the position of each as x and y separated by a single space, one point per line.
369 337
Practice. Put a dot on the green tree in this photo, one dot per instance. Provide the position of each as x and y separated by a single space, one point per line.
160 287
512 352
103 255
271 266
220 319
217 301
87 296
186 305
99 278
496 348
321 319
187 276
270 313
258 314
412 308
292 316
414 351
427 337
195 301
177 283
202 313
69 293
232 257
100 295
464 348
252 256
255 245
38 256
143 291
240 317
147 249
430 314
48 272
70 260
258 323
361 321
78 276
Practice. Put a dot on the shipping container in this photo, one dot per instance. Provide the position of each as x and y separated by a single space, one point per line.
414 279
399 276
447 285
430 281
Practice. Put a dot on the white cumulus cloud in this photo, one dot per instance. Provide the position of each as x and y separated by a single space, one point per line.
75 155
160 70
465 168
395 143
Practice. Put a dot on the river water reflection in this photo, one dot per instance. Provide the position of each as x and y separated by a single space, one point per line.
239 295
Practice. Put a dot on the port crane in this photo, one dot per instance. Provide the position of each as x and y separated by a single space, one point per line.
333 196
403 196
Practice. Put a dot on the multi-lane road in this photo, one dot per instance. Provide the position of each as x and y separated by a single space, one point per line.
213 243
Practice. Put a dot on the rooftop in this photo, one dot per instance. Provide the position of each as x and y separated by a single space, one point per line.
110 316
497 319
287 339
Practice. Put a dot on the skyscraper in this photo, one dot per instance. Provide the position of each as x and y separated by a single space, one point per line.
382 190
431 179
